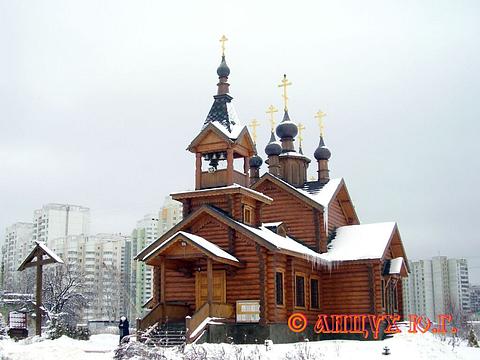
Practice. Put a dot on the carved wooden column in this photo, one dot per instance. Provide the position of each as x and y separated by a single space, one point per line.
229 166
209 281
198 171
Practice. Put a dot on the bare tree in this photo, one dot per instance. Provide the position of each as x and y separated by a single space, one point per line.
64 294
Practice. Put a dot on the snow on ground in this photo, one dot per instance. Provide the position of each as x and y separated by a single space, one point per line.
402 346
65 348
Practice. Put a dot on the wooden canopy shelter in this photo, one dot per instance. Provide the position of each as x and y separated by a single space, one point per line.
39 256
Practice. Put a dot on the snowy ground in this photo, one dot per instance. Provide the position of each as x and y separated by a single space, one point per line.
402 346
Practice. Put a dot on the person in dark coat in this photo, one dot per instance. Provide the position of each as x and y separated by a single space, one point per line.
123 326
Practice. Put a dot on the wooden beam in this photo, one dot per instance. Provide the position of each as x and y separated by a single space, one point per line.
229 166
198 171
38 297
209 281
42 262
162 280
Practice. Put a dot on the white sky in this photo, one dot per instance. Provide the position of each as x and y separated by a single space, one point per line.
99 99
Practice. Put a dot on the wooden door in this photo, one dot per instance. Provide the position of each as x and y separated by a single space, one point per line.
219 287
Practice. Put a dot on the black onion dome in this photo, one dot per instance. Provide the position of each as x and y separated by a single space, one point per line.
322 152
273 147
287 128
223 70
255 161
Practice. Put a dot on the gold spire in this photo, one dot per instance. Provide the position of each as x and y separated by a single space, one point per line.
319 116
253 125
271 111
284 84
301 127
222 40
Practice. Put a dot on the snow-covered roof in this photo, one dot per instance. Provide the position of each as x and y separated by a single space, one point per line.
280 242
325 194
357 242
293 153
49 252
319 192
197 240
236 128
229 187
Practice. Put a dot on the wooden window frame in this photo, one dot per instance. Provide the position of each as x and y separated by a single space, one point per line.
248 209
383 293
314 277
304 276
283 288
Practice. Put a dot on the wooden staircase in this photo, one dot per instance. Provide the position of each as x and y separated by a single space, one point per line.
165 335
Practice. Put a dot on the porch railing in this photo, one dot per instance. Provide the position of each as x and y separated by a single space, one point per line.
197 322
161 312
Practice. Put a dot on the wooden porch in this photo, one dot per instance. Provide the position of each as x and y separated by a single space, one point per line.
202 267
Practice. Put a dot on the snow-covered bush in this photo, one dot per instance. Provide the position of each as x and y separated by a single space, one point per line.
58 328
3 327
141 351
472 338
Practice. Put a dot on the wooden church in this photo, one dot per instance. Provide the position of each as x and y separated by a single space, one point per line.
251 250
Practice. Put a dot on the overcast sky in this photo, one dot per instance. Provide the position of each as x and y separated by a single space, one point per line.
99 99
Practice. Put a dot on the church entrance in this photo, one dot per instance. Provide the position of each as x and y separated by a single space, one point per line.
219 287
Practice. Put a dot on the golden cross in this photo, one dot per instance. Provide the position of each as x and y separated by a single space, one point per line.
284 84
271 110
319 116
301 127
254 124
222 40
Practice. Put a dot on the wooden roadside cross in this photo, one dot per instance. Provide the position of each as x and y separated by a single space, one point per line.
39 256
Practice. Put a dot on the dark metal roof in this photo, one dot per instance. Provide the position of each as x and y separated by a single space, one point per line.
313 187
219 112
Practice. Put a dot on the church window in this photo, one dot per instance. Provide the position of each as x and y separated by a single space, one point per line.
279 294
299 291
247 215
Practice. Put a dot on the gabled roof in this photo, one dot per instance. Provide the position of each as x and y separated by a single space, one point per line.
48 256
317 194
359 242
199 242
262 235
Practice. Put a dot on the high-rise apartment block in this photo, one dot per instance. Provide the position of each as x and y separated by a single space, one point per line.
18 242
100 261
437 286
60 220
148 229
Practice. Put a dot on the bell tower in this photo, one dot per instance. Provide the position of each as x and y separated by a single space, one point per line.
222 140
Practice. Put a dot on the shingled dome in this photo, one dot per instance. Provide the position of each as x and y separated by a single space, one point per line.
255 161
223 70
287 129
322 152
273 147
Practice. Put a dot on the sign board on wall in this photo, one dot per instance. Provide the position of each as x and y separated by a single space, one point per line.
248 311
